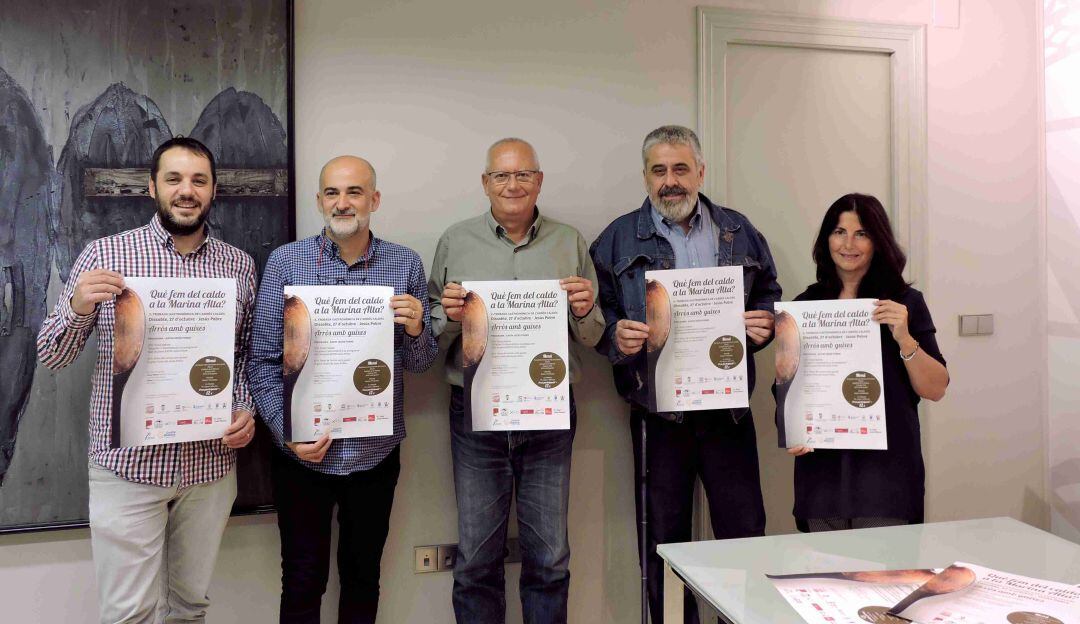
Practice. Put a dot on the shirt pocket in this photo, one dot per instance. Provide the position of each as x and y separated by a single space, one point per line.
630 280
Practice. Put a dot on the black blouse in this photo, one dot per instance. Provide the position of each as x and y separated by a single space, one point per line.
882 484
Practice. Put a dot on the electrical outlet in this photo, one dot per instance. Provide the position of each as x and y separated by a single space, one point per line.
426 559
447 556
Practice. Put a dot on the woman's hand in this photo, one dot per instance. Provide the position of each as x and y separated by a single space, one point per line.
799 450
895 315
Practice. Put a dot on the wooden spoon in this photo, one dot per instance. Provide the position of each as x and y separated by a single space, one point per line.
128 333
297 347
951 579
474 330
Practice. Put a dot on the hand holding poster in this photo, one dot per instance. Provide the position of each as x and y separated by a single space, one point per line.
829 384
515 353
338 362
173 345
969 594
848 597
696 350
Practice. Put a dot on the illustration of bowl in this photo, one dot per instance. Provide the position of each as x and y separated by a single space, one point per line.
657 315
474 330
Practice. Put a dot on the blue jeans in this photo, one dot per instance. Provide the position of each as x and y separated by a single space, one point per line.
490 467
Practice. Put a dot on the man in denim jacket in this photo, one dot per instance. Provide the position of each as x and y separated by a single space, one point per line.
679 228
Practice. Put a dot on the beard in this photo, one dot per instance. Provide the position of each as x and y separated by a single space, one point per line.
674 203
347 229
176 228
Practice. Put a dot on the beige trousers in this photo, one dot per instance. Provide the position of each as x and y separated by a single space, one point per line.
154 547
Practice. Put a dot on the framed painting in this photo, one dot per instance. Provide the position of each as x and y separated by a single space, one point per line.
88 90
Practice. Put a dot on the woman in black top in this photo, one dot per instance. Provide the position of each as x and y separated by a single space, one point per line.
858 257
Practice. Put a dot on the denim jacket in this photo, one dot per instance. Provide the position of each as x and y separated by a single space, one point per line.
630 246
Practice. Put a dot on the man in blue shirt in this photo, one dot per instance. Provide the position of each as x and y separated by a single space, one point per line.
679 228
357 474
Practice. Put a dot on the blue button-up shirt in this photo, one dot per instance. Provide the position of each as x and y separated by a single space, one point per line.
693 248
313 262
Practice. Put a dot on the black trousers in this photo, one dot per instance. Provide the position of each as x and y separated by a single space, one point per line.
305 501
709 445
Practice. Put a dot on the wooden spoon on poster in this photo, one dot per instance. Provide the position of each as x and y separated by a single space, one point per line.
951 579
658 318
788 343
128 331
297 347
876 576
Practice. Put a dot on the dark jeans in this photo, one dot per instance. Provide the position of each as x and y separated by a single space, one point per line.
724 454
490 467
305 501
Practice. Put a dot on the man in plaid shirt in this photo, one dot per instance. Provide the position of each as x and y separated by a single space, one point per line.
157 513
358 475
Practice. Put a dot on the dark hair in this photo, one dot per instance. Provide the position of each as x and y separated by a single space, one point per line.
192 145
885 277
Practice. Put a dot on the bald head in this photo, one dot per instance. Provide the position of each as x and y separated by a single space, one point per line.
350 163
521 146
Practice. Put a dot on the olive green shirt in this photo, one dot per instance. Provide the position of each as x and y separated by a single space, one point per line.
479 249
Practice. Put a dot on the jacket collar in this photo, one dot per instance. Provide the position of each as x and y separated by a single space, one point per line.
647 229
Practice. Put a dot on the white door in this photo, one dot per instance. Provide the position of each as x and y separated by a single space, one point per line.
796 112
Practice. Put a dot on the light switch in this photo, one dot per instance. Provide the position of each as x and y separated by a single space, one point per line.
986 324
969 325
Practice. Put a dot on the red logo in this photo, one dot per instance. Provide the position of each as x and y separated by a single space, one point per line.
149 424
842 430
727 390
183 422
209 420
547 410
371 417
349 419
708 392
494 410
863 431
317 420
678 392
809 430
527 411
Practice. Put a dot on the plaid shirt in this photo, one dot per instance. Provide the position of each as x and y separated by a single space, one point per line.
315 261
148 251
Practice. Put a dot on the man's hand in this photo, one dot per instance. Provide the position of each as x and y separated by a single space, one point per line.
630 336
759 325
408 311
453 301
579 294
311 451
94 286
241 431
799 450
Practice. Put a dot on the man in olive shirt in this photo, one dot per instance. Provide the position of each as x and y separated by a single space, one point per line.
511 241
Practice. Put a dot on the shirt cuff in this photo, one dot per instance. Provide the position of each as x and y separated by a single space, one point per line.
73 319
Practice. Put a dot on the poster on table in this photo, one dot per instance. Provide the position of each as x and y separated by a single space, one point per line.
338 362
172 371
964 593
515 355
696 350
829 384
849 597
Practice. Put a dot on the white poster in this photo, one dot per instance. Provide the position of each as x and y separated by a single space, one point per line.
173 360
848 597
696 350
829 385
969 594
338 362
515 352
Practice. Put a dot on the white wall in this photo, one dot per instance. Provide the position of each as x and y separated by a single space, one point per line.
421 88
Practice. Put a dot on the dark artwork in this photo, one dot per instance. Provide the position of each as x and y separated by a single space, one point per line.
105 82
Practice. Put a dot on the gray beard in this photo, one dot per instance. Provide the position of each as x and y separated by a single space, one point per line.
675 211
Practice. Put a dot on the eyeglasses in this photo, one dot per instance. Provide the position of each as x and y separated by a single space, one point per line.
502 178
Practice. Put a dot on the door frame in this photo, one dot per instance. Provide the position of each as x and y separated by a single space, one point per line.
906 46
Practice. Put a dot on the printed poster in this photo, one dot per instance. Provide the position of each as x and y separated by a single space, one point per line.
696 350
338 362
829 383
849 597
965 593
515 355
172 372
